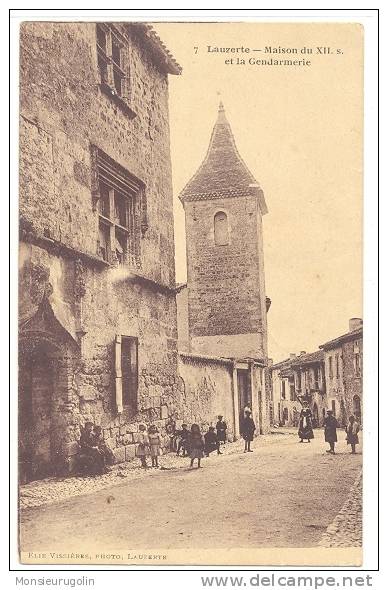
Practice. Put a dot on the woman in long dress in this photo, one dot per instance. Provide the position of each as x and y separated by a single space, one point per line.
305 431
352 431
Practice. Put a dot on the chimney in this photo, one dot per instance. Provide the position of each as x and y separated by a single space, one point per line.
269 362
292 355
355 323
302 352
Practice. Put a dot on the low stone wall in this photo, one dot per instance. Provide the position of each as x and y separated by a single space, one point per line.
208 391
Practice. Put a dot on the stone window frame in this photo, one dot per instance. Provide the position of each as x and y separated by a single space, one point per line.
128 399
114 66
316 378
121 187
217 214
283 389
337 366
330 360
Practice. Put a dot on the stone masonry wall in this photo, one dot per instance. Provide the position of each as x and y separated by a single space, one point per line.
208 392
352 382
64 112
226 287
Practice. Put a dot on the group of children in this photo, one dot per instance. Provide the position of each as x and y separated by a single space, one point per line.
190 442
95 454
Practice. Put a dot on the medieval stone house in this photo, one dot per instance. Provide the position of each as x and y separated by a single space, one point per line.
343 369
98 330
222 309
299 378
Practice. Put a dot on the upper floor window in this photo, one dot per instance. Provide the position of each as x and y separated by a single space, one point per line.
337 366
292 390
121 207
112 58
357 364
283 389
316 378
331 367
221 229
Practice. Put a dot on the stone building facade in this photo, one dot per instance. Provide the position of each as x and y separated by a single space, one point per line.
296 379
343 370
98 329
222 310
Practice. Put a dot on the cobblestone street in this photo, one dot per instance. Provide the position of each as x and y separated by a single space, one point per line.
284 494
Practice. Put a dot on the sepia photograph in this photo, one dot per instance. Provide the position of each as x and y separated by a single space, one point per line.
190 346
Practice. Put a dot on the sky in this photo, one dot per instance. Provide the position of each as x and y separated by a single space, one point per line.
299 130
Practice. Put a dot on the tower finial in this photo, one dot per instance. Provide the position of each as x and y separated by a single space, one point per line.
221 104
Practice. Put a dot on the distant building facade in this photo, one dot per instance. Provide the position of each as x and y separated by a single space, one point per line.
343 370
98 329
330 378
297 379
222 309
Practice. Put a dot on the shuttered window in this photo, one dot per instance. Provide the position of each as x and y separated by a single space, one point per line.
126 373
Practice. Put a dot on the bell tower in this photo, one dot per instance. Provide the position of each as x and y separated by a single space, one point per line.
223 206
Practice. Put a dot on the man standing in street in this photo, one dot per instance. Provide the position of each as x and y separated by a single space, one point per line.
331 425
221 430
248 428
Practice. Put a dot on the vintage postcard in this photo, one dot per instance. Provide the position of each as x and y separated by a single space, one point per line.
190 293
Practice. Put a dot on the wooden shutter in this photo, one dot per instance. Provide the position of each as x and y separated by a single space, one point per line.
118 375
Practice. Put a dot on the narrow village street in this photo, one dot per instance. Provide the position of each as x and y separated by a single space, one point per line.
284 494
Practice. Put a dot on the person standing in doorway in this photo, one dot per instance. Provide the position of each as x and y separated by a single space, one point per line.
248 428
352 431
331 425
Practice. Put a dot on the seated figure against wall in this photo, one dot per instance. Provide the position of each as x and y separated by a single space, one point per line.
90 459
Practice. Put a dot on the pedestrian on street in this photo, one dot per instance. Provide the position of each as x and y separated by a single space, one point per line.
171 431
211 442
331 425
247 430
155 444
196 445
305 431
183 443
352 431
221 428
142 449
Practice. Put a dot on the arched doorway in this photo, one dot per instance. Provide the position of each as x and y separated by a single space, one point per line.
38 359
357 407
45 418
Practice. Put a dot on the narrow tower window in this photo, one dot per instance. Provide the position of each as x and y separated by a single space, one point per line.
221 229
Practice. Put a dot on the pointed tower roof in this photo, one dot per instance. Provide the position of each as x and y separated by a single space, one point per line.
223 173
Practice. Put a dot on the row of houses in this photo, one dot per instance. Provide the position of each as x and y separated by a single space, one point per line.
329 378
